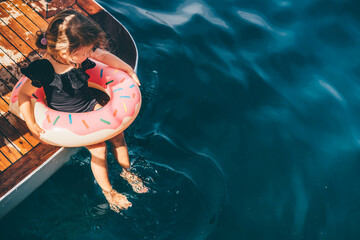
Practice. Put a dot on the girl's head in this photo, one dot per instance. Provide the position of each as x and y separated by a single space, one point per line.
72 37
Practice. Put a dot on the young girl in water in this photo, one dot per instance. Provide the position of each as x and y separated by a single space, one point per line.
70 40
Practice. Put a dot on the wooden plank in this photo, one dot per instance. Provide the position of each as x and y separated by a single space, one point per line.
22 129
12 135
30 13
19 23
15 40
80 10
9 69
10 60
4 162
38 6
4 107
2 166
3 88
57 6
18 124
24 29
48 10
24 166
6 97
9 150
90 6
9 50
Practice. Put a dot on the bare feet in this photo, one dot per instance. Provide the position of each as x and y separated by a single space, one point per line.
121 154
117 201
135 182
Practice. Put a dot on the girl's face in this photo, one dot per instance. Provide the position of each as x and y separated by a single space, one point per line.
81 54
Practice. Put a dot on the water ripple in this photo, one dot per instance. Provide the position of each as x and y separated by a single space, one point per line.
257 20
332 91
181 16
186 11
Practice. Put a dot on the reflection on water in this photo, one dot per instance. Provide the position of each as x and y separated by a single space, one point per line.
248 129
259 21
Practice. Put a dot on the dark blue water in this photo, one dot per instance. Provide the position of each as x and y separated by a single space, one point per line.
249 128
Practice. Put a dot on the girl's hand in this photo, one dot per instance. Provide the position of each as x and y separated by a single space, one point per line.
35 129
133 75
115 62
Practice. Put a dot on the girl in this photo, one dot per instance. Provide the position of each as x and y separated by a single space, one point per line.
69 40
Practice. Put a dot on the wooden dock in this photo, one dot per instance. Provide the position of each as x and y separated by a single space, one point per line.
21 154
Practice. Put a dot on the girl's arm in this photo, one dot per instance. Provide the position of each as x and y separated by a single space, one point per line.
115 62
26 110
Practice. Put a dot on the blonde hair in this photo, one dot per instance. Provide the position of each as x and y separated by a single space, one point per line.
69 30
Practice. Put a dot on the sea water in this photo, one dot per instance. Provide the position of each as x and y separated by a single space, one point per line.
249 129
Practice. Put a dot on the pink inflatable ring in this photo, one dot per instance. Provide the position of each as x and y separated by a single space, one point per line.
82 129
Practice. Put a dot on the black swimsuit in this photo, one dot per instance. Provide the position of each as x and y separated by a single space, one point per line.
66 92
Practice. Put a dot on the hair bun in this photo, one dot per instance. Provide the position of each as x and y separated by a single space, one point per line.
43 41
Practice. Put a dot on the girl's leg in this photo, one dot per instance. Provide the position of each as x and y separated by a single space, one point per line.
120 150
99 168
99 165
121 153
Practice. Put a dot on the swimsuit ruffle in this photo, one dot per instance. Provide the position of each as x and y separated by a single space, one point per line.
41 72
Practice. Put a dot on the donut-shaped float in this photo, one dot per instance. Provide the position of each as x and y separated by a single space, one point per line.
82 129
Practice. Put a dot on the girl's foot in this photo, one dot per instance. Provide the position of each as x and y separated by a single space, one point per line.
116 200
135 182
